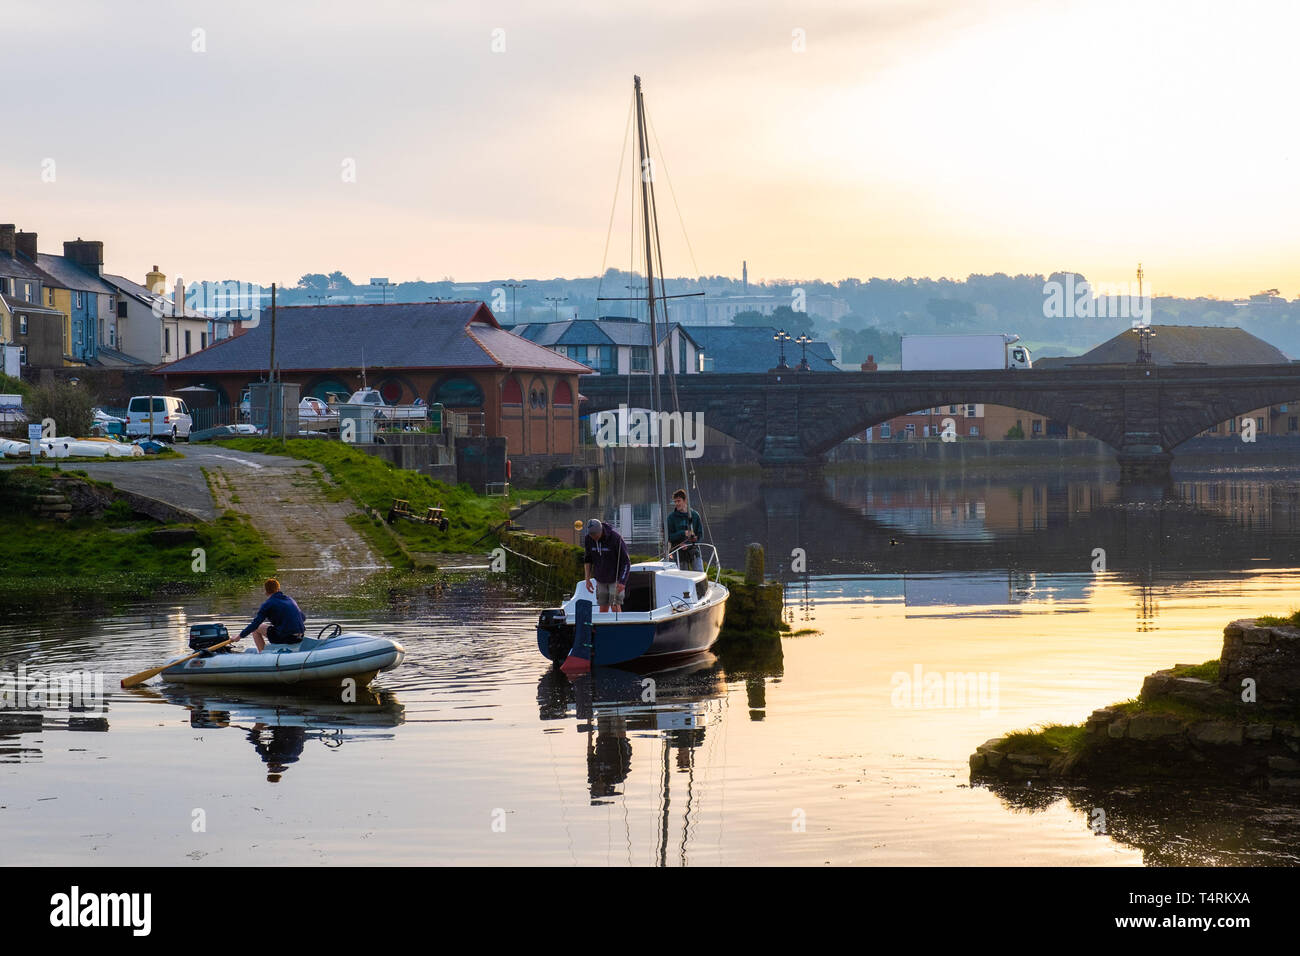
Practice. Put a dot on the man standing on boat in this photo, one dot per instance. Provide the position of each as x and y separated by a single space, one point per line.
606 556
684 529
279 620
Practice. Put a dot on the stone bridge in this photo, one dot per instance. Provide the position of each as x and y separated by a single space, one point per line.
791 419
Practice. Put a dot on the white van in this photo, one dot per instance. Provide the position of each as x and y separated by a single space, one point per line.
162 416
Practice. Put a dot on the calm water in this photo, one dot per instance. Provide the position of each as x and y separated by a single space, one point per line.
475 752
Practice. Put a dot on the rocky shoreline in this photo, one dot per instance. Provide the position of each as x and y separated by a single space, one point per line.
1236 720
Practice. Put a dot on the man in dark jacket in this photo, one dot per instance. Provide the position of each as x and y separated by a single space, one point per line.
684 529
279 620
606 557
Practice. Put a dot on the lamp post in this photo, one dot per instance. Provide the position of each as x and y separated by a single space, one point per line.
781 337
1145 335
804 341
555 301
514 309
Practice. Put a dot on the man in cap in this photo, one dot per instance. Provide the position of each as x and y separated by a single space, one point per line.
607 558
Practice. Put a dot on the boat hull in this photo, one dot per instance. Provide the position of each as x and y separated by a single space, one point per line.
312 663
641 643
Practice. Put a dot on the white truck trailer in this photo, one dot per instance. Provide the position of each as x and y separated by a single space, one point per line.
964 352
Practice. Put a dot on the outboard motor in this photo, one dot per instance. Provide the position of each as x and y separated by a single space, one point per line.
203 636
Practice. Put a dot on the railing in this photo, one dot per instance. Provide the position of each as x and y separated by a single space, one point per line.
712 562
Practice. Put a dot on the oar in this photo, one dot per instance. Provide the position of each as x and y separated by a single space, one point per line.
145 675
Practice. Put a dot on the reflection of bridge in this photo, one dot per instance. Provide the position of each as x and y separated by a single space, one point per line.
793 418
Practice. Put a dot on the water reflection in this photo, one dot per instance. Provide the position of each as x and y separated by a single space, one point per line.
278 726
1178 825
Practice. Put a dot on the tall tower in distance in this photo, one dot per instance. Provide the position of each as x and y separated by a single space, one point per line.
744 277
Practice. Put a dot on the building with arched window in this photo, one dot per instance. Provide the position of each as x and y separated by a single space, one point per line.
453 353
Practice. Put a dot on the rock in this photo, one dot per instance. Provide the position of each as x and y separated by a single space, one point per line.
1217 732
989 752
1153 726
1027 760
1290 783
1259 731
1257 635
1118 728
1283 764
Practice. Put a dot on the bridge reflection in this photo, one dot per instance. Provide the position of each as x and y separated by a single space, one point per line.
1065 522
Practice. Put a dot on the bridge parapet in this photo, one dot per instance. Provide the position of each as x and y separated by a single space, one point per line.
791 419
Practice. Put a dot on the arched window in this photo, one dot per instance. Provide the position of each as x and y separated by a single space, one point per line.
563 395
511 393
459 393
323 388
537 394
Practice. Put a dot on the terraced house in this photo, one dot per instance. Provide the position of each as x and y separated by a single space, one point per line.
36 330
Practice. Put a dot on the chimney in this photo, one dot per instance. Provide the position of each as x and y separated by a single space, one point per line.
156 282
178 301
7 238
89 255
870 364
26 244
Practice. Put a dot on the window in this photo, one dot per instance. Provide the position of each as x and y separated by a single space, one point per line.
974 431
608 364
952 409
203 340
1259 425
1232 425
1293 423
681 354
22 355
27 291
187 341
22 325
970 411
121 308
640 358
884 430
459 393
112 336
4 285
76 296
167 341
49 296
1038 426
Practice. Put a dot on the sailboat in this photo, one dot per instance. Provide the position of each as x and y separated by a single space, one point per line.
668 613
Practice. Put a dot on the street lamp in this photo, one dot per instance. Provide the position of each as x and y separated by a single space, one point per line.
804 341
514 311
781 337
1145 335
555 301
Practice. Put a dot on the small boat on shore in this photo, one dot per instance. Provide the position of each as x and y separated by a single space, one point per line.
312 662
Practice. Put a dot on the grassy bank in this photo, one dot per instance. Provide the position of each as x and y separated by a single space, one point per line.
118 554
374 483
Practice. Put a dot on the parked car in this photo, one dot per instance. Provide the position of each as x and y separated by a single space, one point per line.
158 416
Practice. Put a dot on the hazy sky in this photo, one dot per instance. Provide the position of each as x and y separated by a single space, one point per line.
907 138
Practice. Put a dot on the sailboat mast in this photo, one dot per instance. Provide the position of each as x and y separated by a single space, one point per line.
647 213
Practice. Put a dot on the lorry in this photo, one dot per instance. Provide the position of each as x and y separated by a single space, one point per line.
969 352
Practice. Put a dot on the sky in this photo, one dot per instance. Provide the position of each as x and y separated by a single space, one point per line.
815 139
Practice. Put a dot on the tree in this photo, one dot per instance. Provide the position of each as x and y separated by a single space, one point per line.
1015 433
783 317
314 282
71 407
